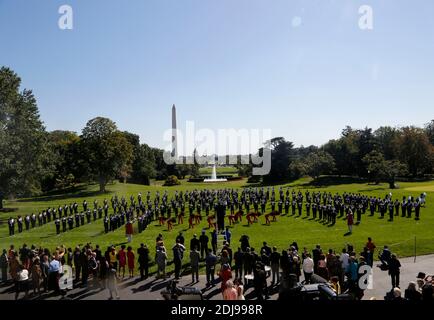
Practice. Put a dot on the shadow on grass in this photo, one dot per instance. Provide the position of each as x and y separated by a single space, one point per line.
72 192
62 196
6 210
325 181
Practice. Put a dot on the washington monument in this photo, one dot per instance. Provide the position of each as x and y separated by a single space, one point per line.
174 140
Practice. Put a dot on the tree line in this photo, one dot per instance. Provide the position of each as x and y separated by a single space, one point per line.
379 156
33 160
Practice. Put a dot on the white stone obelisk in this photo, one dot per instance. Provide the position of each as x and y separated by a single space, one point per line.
174 135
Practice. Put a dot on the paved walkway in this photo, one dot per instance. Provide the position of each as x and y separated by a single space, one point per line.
149 289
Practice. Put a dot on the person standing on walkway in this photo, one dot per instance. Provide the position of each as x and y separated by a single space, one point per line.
122 258
160 260
225 274
275 266
308 267
394 271
178 253
22 282
371 247
143 253
112 282
210 262
4 265
130 257
203 239
194 261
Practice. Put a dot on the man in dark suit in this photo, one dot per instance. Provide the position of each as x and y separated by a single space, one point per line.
315 255
57 223
11 224
143 253
203 239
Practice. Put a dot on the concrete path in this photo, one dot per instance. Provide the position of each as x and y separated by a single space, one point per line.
149 289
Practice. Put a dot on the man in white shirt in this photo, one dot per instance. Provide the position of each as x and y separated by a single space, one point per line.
308 267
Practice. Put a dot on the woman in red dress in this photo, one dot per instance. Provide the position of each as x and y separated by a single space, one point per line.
130 257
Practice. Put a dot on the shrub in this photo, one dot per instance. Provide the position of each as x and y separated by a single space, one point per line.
172 181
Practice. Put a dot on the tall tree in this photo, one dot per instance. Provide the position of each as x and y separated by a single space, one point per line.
64 148
160 165
345 152
297 168
281 157
374 162
319 163
386 138
107 149
429 130
366 143
415 150
144 165
136 171
24 159
381 169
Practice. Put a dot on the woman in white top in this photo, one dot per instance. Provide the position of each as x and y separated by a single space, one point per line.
240 289
22 282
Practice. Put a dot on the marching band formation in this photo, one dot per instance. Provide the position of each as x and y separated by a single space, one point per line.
251 202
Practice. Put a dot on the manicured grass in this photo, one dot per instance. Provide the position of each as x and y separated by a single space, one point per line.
399 234
220 170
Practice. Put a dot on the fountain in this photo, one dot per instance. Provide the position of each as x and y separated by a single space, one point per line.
214 175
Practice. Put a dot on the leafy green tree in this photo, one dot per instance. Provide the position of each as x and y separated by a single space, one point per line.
393 169
429 130
366 143
107 150
160 165
345 152
375 163
386 138
25 158
281 157
319 163
68 163
297 169
143 167
381 169
415 150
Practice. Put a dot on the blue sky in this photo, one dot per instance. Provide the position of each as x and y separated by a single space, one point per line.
302 68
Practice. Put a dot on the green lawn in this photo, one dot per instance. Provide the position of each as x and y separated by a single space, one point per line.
399 235
220 170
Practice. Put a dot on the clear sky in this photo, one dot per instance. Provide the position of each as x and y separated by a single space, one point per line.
302 68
